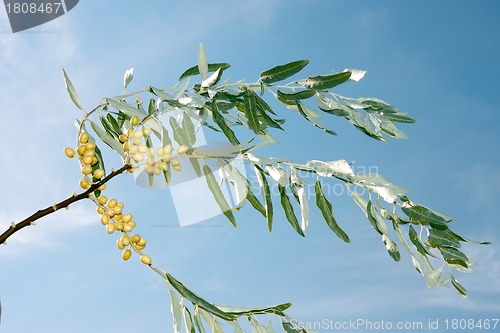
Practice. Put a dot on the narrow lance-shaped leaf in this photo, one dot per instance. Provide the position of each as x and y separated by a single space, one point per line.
326 209
210 319
296 96
107 139
424 215
433 277
127 77
392 248
219 120
289 212
195 299
442 238
202 63
218 195
325 82
375 219
251 111
176 310
197 319
211 68
254 310
72 91
458 286
266 194
453 256
188 321
415 239
282 72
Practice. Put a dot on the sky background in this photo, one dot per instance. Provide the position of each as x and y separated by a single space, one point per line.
438 61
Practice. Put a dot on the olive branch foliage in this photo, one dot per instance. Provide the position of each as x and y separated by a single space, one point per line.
240 112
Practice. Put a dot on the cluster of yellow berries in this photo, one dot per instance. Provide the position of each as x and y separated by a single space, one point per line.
88 158
111 211
113 218
156 160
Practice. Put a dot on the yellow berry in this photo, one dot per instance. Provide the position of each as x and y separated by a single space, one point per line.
149 169
83 138
110 228
81 150
84 183
139 247
102 200
177 167
119 226
98 173
120 204
100 210
126 218
112 203
105 219
88 160
127 227
69 152
175 162
138 157
109 212
133 150
157 171
135 238
132 223
134 121
117 210
159 152
126 254
90 145
126 146
86 170
142 242
166 158
146 131
182 149
119 244
102 187
125 240
145 259
123 137
138 134
167 149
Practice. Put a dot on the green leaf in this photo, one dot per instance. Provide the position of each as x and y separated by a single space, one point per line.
325 82
392 248
251 111
306 112
114 124
125 108
197 319
282 72
151 106
218 195
188 128
331 106
210 319
289 212
176 310
202 63
399 118
458 286
238 311
326 209
211 68
254 201
442 238
453 256
424 215
296 96
266 194
359 200
107 139
195 299
415 239
376 219
72 91
292 327
221 122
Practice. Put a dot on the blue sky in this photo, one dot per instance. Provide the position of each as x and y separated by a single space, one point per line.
435 60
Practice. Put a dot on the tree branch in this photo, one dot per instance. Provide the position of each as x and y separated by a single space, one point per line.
15 227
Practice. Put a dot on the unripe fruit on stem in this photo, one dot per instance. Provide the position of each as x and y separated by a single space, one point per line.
83 138
135 238
143 149
100 210
102 200
146 131
177 167
86 170
120 204
112 203
119 226
139 247
69 152
167 149
123 137
81 150
98 173
182 149
84 183
117 210
145 259
126 146
132 223
134 121
102 187
126 254
110 228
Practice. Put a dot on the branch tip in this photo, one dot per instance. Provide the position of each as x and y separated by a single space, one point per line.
12 224
54 207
